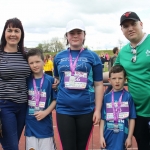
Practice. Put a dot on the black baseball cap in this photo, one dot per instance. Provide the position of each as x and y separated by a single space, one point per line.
129 15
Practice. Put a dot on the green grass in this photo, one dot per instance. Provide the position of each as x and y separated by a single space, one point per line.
104 51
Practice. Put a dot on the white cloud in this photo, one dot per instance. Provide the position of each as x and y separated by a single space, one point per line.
45 19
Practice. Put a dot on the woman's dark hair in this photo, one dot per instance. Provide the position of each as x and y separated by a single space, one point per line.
117 69
14 23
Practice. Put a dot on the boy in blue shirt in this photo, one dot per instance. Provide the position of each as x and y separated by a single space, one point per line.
118 114
41 101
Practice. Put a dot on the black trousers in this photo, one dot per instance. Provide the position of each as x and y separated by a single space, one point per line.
142 132
74 131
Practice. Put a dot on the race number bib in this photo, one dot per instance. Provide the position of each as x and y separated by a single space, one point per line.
77 81
32 102
123 112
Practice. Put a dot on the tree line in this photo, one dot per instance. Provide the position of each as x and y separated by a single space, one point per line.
55 45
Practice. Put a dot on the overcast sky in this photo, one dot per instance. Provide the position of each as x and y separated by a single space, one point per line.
45 19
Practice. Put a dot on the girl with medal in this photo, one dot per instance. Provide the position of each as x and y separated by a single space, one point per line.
80 91
118 113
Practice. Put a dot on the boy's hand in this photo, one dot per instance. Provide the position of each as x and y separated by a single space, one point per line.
102 142
40 115
96 117
128 142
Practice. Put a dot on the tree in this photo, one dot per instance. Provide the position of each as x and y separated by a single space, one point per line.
55 45
40 46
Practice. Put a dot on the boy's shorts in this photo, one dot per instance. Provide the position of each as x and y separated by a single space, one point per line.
33 143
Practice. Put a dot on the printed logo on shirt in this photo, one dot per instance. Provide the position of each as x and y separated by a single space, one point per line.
147 53
121 124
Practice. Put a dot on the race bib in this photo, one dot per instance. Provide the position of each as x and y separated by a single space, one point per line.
123 112
77 81
32 102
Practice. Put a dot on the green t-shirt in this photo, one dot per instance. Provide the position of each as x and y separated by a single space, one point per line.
138 75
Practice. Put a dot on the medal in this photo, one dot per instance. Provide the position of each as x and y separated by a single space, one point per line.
37 94
116 111
36 109
73 65
116 128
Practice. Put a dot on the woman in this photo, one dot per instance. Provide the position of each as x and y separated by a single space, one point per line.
13 91
48 67
80 91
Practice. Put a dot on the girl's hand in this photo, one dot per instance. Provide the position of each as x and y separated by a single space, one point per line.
96 117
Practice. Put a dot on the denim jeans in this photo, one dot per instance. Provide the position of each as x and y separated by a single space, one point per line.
13 120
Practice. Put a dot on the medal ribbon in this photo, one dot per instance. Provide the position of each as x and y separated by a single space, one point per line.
73 65
116 110
36 94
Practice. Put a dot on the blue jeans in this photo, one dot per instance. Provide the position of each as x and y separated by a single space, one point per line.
12 116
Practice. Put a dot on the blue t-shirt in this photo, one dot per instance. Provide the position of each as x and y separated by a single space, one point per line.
116 141
43 128
75 101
